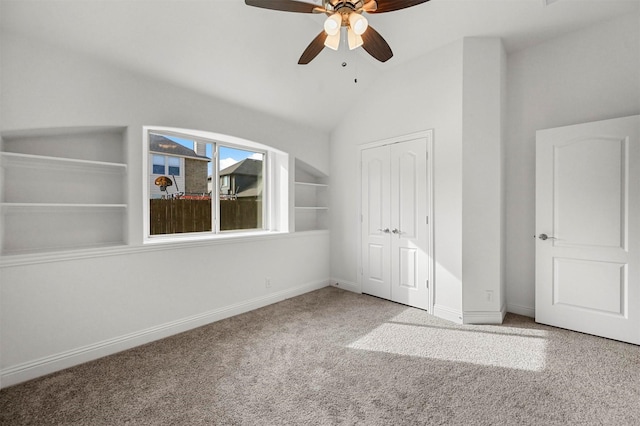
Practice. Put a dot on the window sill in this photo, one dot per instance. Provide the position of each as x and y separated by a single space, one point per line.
208 238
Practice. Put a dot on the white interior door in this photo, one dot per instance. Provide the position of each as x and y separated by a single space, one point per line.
376 222
409 219
588 228
395 231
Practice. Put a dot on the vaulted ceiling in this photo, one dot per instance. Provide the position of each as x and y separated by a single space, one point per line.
249 56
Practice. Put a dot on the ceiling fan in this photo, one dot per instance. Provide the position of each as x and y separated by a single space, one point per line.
342 14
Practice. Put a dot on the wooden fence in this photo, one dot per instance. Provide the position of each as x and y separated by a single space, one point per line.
174 216
240 214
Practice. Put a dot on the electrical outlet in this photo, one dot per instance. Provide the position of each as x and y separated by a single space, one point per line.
489 295
267 282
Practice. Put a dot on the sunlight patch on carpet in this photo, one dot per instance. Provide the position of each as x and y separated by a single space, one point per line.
508 347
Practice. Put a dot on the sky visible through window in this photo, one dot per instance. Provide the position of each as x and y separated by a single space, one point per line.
228 156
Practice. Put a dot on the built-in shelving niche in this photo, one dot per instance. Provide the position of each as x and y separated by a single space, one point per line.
63 189
311 198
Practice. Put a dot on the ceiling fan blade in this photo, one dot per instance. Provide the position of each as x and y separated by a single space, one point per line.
313 49
375 45
381 6
286 6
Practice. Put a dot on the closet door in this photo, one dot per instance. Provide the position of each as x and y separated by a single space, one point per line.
376 234
395 231
409 224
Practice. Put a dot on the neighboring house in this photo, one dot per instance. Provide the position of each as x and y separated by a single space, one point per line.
242 180
187 168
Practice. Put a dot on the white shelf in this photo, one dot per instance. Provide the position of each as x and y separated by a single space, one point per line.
99 144
63 189
320 185
311 198
12 158
61 205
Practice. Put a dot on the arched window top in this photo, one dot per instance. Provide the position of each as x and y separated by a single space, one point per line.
213 137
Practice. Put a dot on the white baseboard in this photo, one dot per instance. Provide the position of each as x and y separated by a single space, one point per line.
447 313
346 285
484 317
521 310
52 363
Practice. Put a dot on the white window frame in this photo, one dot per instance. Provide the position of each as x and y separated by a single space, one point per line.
275 181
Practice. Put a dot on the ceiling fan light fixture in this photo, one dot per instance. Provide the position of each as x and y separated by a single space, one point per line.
355 40
332 24
333 41
358 23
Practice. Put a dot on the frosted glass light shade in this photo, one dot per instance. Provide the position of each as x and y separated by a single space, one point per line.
332 24
355 40
333 41
358 23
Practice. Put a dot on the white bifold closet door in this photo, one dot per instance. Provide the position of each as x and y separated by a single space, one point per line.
395 231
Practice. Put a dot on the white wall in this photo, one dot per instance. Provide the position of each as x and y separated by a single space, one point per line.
589 75
423 94
457 91
56 312
482 206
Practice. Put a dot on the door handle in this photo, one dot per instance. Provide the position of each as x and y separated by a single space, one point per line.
544 237
385 230
396 231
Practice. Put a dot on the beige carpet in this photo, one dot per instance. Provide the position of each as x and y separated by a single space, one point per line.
334 357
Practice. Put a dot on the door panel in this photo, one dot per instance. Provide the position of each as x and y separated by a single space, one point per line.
377 191
588 202
589 187
376 244
408 267
377 254
405 183
606 293
410 244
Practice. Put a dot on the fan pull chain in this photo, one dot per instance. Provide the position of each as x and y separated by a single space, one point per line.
344 64
355 78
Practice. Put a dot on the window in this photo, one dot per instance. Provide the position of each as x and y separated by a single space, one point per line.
206 184
174 166
241 188
158 164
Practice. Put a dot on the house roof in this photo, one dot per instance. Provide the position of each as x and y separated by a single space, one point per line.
248 166
162 145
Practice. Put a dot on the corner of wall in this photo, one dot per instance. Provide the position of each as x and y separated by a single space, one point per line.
482 176
346 285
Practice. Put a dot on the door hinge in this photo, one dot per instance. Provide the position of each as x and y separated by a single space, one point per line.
427 220
427 282
361 271
361 218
